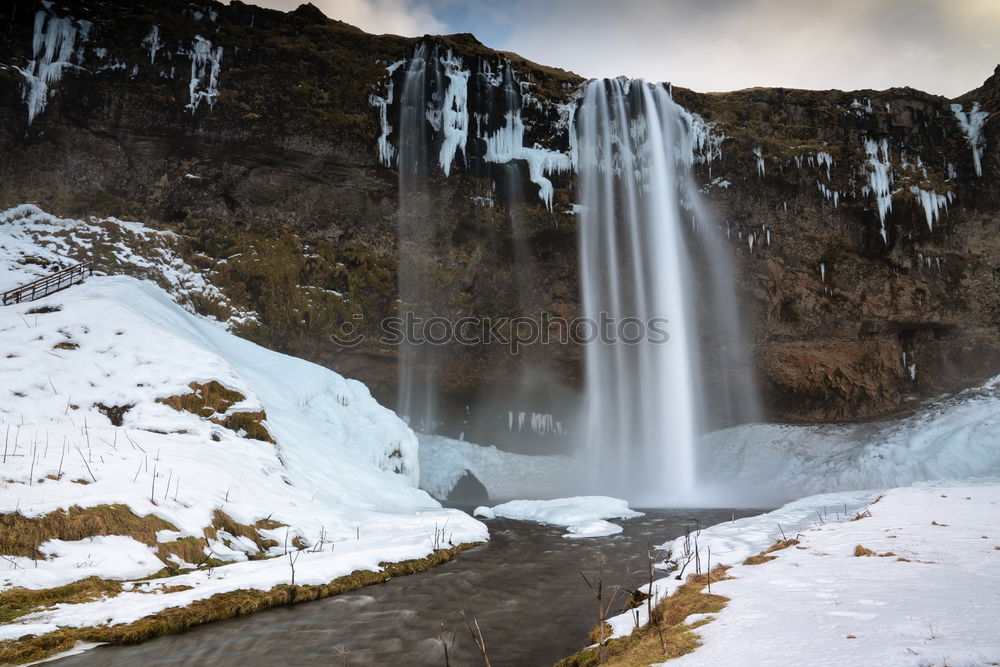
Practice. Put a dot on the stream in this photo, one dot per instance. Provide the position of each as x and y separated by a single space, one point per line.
524 588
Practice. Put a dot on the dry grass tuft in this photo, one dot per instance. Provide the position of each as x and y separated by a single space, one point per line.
222 521
248 422
189 549
32 647
644 646
21 535
205 400
763 556
65 345
15 602
211 401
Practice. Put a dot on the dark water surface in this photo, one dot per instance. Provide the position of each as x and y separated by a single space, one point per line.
524 587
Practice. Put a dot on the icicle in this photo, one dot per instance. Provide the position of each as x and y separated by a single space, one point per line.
386 151
932 203
205 64
758 154
880 179
52 50
507 144
152 42
825 160
972 125
454 112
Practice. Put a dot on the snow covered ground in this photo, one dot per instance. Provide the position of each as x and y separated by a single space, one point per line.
583 516
929 595
341 474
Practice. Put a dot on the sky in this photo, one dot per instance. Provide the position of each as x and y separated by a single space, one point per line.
947 47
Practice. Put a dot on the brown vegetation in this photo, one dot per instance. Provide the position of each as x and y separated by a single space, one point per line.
212 401
666 636
23 535
763 556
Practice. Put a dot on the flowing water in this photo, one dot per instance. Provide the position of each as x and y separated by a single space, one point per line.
642 228
524 588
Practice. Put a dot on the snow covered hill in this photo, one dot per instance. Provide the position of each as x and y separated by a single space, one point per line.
112 394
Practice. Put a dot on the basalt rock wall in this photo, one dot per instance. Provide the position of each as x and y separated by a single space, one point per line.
863 225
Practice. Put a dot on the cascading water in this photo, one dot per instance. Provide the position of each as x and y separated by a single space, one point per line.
650 256
422 87
641 226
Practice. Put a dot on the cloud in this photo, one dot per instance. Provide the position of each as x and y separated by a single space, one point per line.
941 46
712 45
397 17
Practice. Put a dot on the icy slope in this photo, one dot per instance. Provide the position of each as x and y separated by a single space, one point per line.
768 464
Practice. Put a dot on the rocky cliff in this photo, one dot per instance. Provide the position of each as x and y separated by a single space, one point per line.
862 224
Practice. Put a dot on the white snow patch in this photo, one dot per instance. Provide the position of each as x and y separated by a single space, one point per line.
583 516
108 556
767 464
34 244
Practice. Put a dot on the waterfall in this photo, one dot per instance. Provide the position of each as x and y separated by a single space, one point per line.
649 249
668 357
422 86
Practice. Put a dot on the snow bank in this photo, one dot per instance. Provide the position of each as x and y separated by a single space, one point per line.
929 596
444 461
583 516
108 556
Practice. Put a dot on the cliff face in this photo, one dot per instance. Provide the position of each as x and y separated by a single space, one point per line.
270 157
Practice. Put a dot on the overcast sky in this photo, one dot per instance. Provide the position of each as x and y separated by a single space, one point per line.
942 46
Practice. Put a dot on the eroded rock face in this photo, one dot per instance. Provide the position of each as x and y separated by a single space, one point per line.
266 154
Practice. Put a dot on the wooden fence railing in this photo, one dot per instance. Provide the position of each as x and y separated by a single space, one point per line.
49 284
